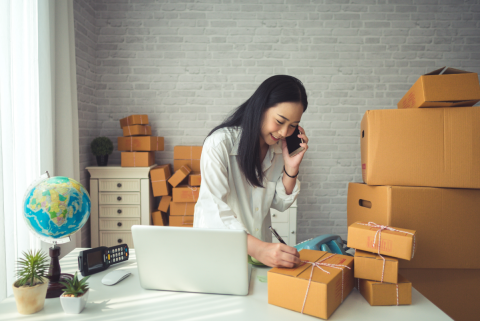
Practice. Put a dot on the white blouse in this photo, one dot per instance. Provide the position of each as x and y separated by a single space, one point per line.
227 200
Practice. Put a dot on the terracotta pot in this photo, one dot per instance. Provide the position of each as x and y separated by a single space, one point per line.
30 299
74 305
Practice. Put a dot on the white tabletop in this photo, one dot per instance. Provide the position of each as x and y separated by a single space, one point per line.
128 301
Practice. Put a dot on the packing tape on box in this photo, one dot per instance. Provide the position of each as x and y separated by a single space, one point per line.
318 265
134 159
379 232
191 157
193 189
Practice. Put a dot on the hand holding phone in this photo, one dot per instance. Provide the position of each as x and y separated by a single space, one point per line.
293 143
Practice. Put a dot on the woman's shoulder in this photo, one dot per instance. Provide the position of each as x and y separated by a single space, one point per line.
226 136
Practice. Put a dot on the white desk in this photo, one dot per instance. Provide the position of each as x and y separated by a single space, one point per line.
128 301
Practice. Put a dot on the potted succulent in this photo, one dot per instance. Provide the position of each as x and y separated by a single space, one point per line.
30 288
101 148
75 295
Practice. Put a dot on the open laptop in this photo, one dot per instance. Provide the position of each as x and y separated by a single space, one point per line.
192 259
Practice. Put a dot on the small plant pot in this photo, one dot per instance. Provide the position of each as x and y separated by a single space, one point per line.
72 305
102 160
30 299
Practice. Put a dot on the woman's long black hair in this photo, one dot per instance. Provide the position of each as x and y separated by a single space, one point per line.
276 89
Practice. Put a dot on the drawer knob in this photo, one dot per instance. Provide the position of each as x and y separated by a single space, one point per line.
119 211
119 198
274 215
119 224
293 232
119 185
119 240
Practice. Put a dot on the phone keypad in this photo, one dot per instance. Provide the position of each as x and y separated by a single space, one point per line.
116 254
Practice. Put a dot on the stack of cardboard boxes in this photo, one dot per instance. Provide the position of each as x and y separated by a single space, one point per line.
137 145
159 177
421 168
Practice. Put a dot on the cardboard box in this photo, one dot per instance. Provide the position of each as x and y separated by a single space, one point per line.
159 177
180 175
164 204
134 120
140 143
184 221
194 179
187 152
455 292
158 219
382 293
137 159
193 164
444 218
370 266
185 193
444 87
182 208
137 130
432 147
287 287
392 243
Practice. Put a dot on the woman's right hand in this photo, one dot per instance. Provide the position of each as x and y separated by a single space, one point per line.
275 254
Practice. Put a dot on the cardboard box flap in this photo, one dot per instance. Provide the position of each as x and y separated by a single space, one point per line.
447 71
404 231
373 256
305 255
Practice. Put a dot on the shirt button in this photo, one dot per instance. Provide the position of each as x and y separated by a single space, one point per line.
256 209
256 230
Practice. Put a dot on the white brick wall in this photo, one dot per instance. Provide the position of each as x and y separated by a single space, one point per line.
188 64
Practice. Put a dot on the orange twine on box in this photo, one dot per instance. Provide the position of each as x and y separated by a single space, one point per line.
397 294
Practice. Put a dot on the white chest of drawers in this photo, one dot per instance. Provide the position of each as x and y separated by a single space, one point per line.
285 223
121 197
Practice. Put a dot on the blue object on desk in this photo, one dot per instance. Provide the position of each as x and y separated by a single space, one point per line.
328 243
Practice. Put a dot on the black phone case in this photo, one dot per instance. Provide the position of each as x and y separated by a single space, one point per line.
293 142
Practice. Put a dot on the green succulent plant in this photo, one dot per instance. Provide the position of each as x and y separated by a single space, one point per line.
101 146
32 269
75 287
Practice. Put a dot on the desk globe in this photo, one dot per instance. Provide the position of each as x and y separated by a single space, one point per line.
54 209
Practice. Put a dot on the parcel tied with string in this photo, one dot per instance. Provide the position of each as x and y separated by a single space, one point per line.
382 293
185 193
316 288
372 266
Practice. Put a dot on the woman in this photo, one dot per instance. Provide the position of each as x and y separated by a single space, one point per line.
246 168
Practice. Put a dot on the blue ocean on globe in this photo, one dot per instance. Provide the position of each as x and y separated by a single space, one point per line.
57 207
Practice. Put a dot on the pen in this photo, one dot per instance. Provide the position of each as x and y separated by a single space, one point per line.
276 235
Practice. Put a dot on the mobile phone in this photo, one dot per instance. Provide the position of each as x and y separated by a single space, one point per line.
293 143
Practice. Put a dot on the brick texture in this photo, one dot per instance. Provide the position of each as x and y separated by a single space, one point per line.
187 64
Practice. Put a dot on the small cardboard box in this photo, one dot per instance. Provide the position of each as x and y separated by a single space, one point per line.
193 164
194 179
444 87
164 204
370 266
434 147
137 130
159 177
185 193
439 215
378 293
182 208
140 143
187 152
396 244
184 221
134 120
137 159
157 218
287 288
180 175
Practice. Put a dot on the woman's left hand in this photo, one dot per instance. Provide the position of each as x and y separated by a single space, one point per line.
292 164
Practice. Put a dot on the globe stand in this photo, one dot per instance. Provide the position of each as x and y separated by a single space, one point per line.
54 274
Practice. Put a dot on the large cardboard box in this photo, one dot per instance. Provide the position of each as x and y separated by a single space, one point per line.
194 179
185 193
159 177
140 143
371 266
137 159
134 120
444 87
398 243
446 220
158 219
137 130
180 175
184 208
164 204
182 221
287 288
187 152
454 291
378 293
192 163
433 147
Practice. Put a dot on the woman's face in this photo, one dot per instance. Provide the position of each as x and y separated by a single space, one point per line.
280 121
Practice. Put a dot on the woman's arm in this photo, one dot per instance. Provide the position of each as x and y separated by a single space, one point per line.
272 254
